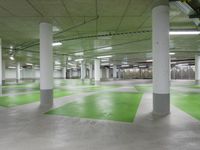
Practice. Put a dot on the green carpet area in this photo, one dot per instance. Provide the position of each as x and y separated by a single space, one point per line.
189 103
114 106
10 101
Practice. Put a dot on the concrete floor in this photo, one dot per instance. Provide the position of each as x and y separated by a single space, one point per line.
26 127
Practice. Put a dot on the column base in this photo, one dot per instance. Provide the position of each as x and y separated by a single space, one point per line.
82 80
17 80
197 81
3 82
91 82
46 98
161 104
97 82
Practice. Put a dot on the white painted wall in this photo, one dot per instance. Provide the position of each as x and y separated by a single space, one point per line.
28 73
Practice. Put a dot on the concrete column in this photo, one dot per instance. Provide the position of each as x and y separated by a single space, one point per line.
83 71
197 69
3 72
114 72
119 73
18 72
107 73
46 65
1 62
161 70
90 71
70 73
64 72
97 71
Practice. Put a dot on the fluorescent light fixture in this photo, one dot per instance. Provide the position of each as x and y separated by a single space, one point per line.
57 63
150 60
12 58
184 32
69 58
143 66
108 56
11 67
186 64
105 64
105 48
29 64
55 29
70 64
79 60
124 65
172 53
57 44
173 62
79 54
105 60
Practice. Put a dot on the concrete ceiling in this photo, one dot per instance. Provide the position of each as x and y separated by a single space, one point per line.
79 24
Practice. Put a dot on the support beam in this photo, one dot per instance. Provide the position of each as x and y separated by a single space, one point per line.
197 69
46 65
97 71
161 82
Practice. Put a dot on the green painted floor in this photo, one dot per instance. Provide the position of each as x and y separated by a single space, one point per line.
144 88
187 102
10 101
62 88
114 106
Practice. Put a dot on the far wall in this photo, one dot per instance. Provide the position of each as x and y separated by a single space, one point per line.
29 74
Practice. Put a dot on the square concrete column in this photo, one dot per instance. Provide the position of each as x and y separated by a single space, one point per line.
97 71
46 65
197 69
161 69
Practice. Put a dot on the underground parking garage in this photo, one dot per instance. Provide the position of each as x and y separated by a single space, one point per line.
99 74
